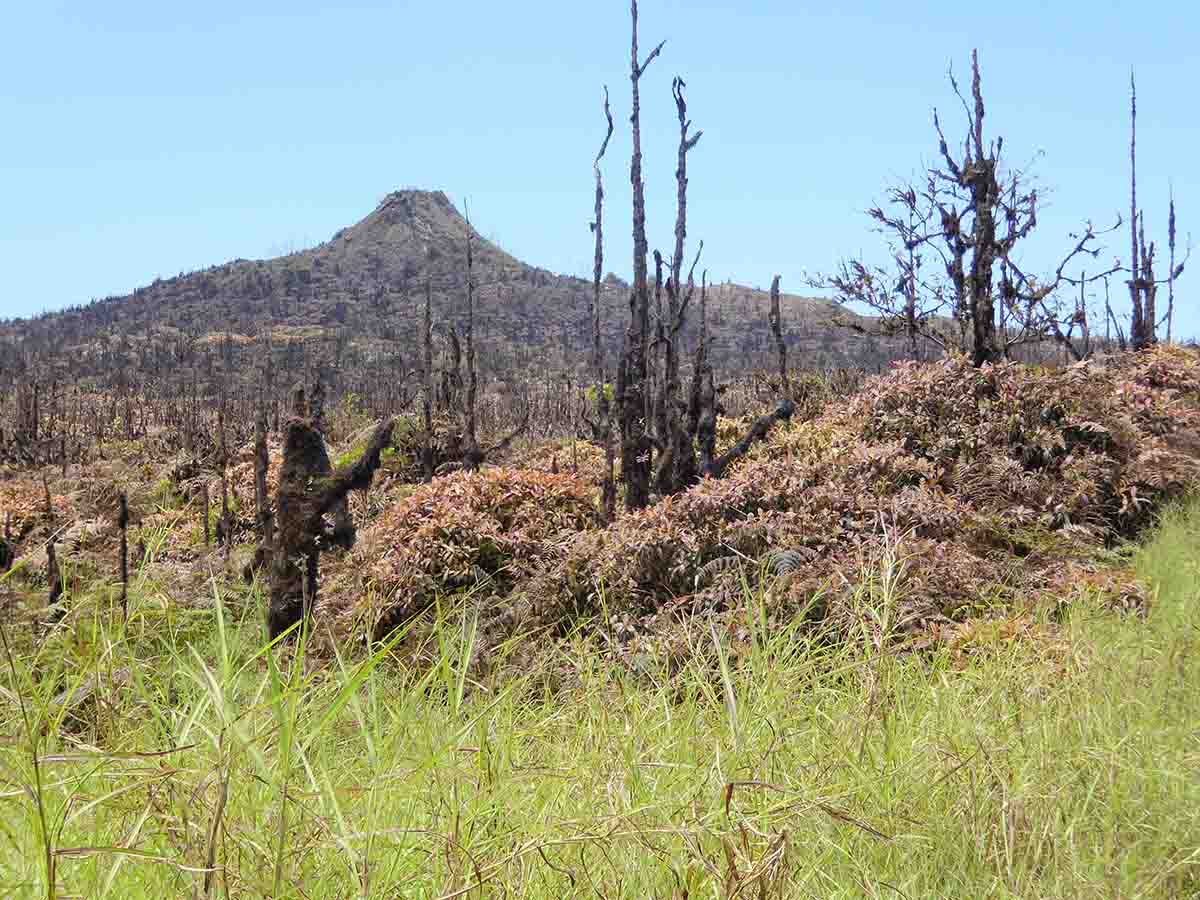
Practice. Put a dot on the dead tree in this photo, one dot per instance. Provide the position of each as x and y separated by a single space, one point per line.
776 325
674 441
973 216
471 457
1142 333
633 370
263 515
123 561
1171 265
309 490
8 551
1143 286
655 420
603 425
977 174
1111 322
427 378
702 398
54 579
205 512
225 523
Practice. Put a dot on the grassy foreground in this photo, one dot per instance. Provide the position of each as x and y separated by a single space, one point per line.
1034 759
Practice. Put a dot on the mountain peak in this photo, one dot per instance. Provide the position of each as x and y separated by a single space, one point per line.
410 199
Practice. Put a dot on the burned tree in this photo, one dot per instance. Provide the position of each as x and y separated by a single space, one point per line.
1171 266
54 579
977 175
633 369
775 321
310 492
661 431
972 218
123 558
263 515
673 438
471 455
1143 287
602 429
427 380
461 394
903 298
7 551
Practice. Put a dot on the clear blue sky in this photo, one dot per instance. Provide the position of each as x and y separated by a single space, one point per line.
144 139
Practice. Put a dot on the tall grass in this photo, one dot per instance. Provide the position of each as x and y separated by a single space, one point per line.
1046 761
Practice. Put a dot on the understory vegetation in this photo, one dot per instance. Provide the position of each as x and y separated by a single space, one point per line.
935 639
1048 751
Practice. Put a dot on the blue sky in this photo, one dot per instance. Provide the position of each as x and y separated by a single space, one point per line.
144 139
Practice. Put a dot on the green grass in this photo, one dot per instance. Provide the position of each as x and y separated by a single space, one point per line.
1061 763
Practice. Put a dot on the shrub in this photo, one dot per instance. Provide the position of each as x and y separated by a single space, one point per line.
490 528
996 475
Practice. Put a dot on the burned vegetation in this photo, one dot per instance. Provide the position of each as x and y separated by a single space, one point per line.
641 476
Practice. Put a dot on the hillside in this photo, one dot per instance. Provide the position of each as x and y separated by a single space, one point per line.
356 300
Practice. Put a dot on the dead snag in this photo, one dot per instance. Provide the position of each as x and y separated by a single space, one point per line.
633 372
603 408
225 523
309 490
54 579
775 321
472 456
758 430
262 509
205 512
677 467
1141 333
123 524
1171 265
702 398
8 552
427 377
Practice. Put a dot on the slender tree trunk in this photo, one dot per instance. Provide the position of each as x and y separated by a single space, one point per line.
635 442
427 372
603 407
471 455
1171 264
774 320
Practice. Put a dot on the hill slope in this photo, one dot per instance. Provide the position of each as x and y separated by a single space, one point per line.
357 299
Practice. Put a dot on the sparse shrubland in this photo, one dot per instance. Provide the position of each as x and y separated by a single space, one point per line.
1038 750
927 633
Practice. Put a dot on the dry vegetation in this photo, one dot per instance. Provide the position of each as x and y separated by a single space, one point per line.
844 634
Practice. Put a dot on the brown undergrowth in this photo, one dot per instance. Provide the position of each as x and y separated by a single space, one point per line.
992 491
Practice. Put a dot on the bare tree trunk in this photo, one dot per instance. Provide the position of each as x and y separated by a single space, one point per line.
262 510
774 320
206 513
54 579
8 552
1148 286
1139 334
471 455
702 411
603 407
123 524
635 442
427 372
309 488
679 469
1171 269
225 525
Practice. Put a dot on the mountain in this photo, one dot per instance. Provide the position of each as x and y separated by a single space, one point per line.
355 302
